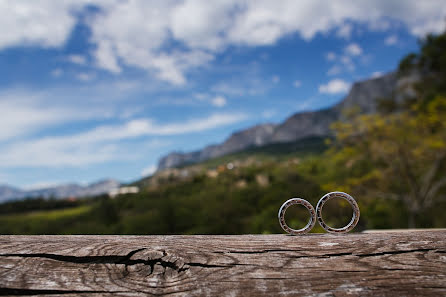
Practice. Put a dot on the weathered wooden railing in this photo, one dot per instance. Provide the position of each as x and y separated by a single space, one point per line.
373 264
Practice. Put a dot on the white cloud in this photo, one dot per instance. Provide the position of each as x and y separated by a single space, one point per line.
194 23
122 39
267 114
57 72
106 58
230 88
297 83
342 64
306 104
41 185
345 31
201 96
377 74
100 144
128 112
144 127
77 59
219 101
148 171
53 153
3 177
353 49
334 70
211 122
251 83
24 112
347 63
391 40
136 33
330 56
334 86
43 23
84 76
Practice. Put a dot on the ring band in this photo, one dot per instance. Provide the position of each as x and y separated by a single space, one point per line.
307 205
350 199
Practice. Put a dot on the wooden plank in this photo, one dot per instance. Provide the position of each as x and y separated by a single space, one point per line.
375 264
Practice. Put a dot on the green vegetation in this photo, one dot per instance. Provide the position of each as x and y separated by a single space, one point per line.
42 222
31 204
393 162
241 200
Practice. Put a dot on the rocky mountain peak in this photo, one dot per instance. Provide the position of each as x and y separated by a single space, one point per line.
363 94
254 136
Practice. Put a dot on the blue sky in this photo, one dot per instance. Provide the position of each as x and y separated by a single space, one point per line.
102 89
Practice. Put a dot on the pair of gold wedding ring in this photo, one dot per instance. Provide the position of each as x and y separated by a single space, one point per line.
318 213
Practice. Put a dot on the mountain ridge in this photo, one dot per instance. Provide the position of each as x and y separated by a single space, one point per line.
60 191
364 94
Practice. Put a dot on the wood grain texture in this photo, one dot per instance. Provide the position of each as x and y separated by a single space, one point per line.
376 264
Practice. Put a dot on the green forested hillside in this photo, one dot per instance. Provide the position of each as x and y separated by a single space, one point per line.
392 162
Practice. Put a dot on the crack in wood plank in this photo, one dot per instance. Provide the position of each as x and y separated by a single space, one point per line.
111 259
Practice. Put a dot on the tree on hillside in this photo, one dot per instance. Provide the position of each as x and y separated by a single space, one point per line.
400 155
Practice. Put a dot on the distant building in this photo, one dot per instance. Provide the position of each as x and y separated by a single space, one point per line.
212 173
123 190
221 168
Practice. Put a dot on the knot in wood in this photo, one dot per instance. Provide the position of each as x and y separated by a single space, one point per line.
155 263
